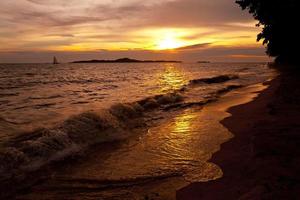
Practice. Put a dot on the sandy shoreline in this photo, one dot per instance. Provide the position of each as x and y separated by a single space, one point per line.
260 162
166 187
215 111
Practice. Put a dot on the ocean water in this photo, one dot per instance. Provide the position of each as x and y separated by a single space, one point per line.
38 95
49 112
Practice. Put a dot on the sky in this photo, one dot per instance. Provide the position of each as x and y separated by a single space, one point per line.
187 30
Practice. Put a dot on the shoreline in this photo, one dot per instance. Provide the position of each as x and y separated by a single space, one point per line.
260 162
214 110
229 159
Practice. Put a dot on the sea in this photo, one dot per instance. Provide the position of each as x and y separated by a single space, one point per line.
152 111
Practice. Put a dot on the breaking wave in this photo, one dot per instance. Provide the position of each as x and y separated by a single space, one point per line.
30 151
216 79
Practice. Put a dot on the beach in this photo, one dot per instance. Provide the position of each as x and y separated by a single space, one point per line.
149 100
81 178
261 161
149 147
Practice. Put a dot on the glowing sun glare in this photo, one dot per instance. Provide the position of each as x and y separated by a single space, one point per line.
169 43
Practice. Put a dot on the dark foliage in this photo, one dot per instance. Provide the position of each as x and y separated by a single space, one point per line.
280 22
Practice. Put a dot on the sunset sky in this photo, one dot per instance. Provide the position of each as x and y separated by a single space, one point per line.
188 30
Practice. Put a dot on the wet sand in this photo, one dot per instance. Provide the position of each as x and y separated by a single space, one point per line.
262 160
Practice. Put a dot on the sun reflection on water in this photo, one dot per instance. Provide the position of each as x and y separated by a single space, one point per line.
183 123
171 79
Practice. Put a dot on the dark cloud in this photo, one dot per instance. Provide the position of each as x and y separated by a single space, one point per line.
194 47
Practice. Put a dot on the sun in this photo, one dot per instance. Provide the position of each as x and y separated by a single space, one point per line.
169 42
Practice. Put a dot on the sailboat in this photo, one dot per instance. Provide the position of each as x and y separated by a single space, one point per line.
55 62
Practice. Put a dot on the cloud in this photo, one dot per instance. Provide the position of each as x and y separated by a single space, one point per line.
197 13
161 13
32 25
60 35
193 47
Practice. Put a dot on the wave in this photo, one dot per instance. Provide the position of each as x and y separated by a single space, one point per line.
228 89
30 151
216 79
8 94
87 184
211 98
46 97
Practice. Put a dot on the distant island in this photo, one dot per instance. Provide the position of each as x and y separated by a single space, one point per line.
203 61
127 60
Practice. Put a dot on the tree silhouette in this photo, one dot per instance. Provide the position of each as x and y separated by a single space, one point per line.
279 19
